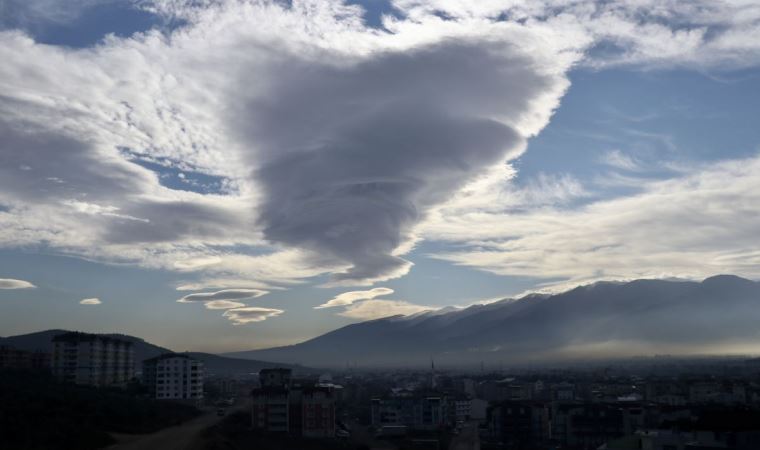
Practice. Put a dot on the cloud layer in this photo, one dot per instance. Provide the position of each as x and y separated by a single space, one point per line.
689 226
334 146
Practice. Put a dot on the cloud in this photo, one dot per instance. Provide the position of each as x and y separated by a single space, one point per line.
223 304
10 283
381 142
351 139
225 294
376 309
348 298
241 316
619 160
701 33
90 301
672 228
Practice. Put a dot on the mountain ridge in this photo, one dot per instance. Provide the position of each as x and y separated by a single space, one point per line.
604 318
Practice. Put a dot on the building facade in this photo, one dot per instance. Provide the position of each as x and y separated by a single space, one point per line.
92 359
174 376
423 412
280 406
13 358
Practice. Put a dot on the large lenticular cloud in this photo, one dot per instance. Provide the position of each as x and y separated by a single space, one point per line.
352 155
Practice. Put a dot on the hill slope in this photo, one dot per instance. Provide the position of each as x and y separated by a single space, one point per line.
214 364
600 320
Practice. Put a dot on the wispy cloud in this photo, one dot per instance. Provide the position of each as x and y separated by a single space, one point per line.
619 160
375 309
348 298
10 283
671 228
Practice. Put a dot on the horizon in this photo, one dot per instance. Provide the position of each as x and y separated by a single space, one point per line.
563 361
233 175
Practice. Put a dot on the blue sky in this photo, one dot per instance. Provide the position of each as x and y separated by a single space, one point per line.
285 154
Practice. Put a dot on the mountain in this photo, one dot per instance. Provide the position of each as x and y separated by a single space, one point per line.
214 364
601 320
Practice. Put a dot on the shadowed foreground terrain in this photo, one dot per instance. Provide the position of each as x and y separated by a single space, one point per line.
37 412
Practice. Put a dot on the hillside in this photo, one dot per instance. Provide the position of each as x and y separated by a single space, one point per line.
214 364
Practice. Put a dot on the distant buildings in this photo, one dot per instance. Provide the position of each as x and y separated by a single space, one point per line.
412 410
174 376
13 358
282 406
91 359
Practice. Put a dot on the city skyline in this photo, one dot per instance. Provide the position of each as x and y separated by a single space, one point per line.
234 175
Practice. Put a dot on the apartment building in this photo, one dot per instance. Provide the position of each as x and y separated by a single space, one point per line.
282 406
174 376
92 359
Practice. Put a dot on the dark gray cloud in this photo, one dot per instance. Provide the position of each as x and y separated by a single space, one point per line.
351 156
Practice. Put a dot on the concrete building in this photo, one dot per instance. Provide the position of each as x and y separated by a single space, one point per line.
13 358
92 359
422 412
174 376
271 409
521 424
275 378
281 406
317 412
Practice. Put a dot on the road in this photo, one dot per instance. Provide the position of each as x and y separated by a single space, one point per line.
180 437
467 439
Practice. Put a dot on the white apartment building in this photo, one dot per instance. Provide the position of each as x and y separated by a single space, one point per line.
174 376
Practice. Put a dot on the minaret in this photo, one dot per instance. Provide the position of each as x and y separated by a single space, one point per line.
433 383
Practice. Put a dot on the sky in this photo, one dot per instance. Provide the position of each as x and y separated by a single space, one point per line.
220 175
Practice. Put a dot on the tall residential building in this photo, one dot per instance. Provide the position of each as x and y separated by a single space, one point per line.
174 376
92 359
281 406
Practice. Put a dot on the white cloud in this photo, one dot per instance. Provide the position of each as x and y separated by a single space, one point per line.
348 298
217 97
225 294
376 309
692 226
223 304
10 283
241 316
90 301
619 160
